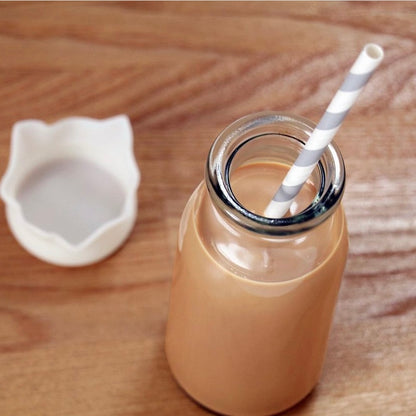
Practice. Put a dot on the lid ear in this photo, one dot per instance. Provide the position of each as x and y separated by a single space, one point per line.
28 140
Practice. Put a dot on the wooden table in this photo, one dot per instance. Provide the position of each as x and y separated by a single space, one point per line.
89 341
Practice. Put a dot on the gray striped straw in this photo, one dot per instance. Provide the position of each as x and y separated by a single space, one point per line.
368 60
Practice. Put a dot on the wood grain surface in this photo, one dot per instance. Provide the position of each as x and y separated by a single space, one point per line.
89 341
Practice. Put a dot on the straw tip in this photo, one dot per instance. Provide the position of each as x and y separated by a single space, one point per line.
374 51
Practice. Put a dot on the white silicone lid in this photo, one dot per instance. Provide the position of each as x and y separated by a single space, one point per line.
70 188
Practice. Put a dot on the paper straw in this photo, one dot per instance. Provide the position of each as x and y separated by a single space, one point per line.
358 76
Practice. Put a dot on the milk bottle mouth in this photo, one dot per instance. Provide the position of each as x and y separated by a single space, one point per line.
275 137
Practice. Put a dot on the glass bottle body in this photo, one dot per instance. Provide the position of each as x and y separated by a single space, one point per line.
252 302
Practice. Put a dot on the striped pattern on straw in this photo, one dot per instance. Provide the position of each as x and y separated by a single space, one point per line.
368 60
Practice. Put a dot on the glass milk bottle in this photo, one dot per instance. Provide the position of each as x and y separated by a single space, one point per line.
252 298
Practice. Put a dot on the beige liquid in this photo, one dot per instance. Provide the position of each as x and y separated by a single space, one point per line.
255 184
249 315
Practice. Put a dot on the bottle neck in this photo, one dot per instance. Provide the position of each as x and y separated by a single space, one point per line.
277 137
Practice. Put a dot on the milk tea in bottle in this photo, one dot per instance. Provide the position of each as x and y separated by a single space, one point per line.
252 297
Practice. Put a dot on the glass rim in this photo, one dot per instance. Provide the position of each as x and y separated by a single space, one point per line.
233 138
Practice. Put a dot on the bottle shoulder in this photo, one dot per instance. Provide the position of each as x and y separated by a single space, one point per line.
251 255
